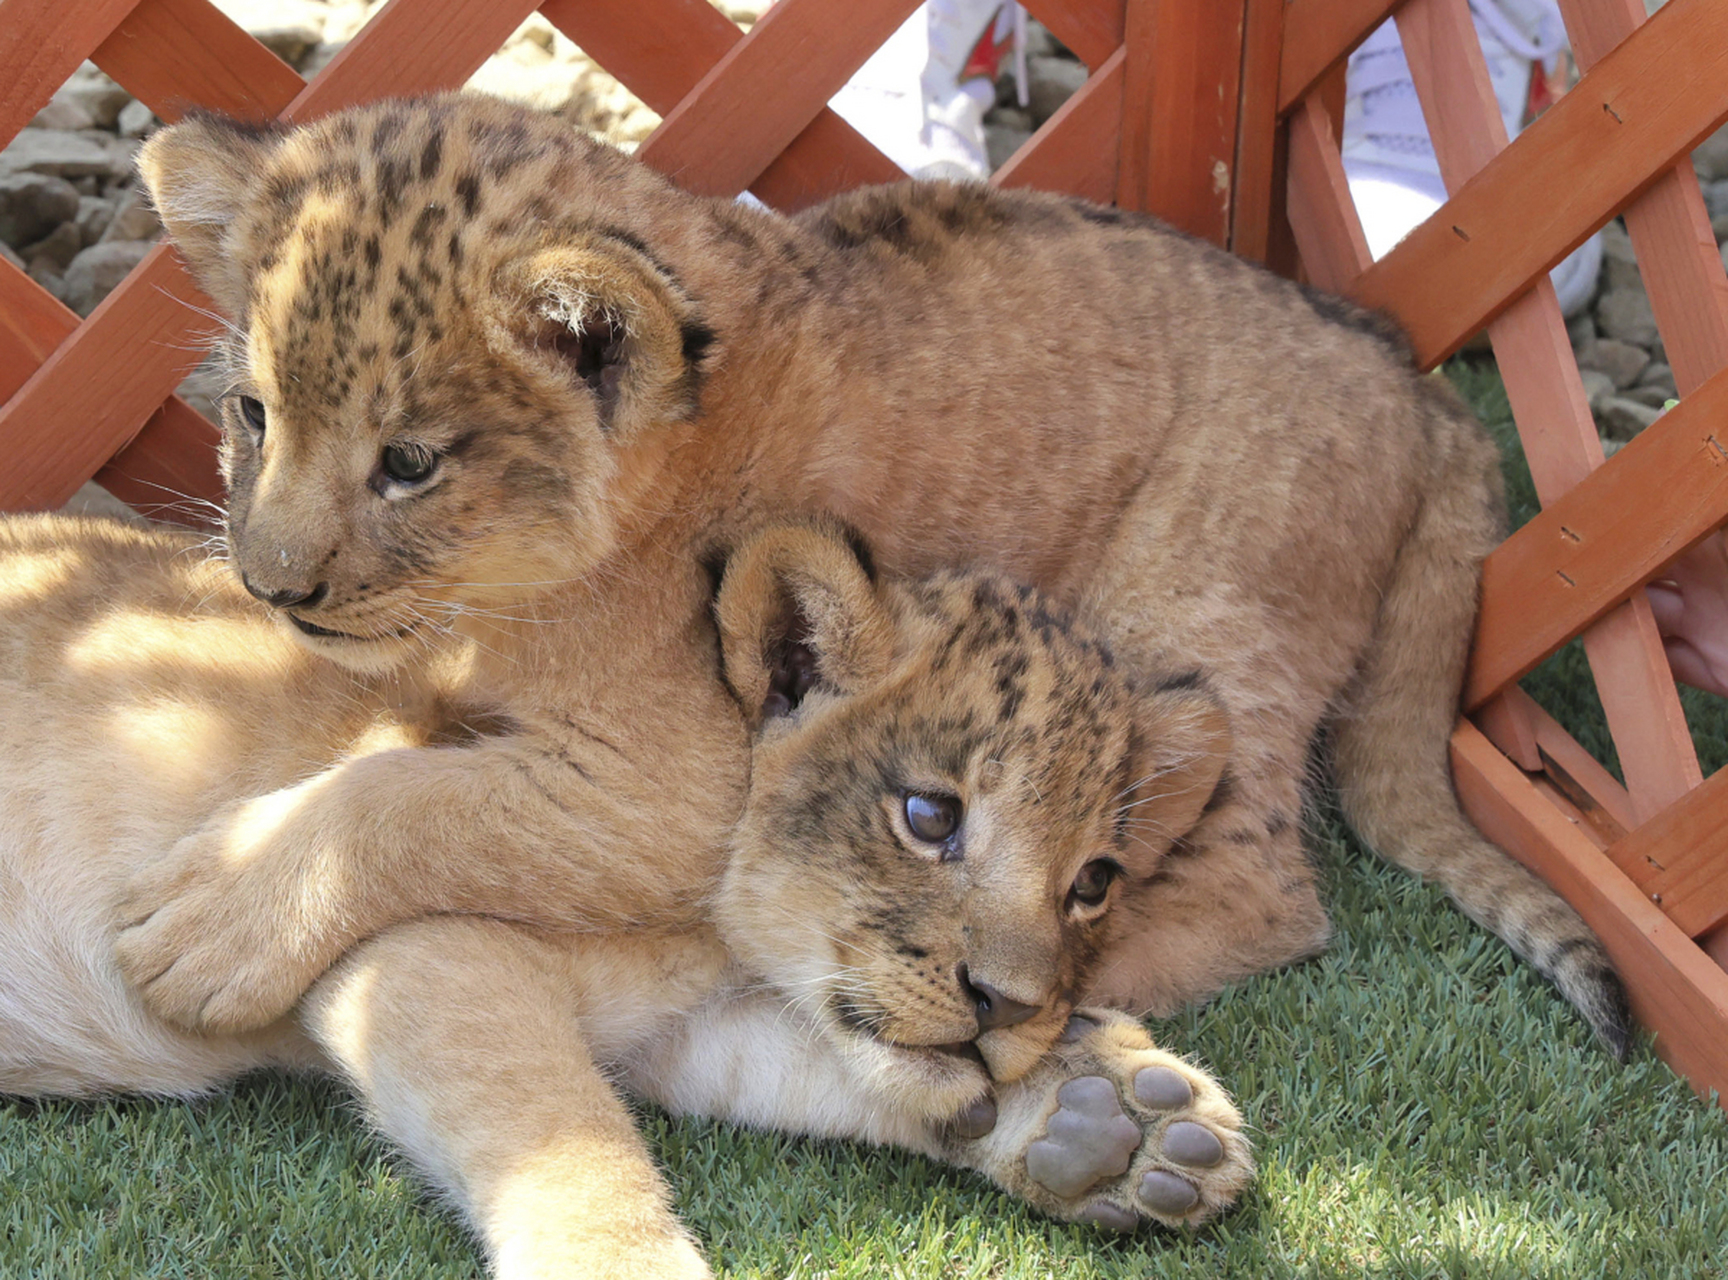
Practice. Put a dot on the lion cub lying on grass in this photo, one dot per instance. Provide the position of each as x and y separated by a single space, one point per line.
909 902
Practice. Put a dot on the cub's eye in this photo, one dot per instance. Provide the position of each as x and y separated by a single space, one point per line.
1093 882
932 818
408 463
252 414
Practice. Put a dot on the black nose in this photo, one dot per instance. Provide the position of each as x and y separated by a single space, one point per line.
995 1010
287 597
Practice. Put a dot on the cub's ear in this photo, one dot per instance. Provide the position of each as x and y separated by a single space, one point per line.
798 610
1182 741
201 174
618 323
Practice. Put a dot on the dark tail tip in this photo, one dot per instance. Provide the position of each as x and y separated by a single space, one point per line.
1610 1014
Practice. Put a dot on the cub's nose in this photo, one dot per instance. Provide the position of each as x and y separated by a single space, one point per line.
994 1009
286 597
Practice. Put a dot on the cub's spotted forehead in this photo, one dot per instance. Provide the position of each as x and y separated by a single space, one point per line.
478 163
1004 665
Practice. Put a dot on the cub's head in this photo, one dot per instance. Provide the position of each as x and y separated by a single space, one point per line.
446 331
950 786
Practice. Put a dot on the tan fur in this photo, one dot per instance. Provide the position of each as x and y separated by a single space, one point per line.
1231 474
830 984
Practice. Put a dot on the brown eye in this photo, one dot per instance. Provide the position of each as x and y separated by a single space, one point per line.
408 463
1093 882
933 819
252 414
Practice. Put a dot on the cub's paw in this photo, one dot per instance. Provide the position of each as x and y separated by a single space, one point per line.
213 935
1111 1130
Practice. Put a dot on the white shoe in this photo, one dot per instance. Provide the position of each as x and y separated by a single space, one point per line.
921 97
1389 158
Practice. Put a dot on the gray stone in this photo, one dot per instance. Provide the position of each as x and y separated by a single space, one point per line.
290 29
1658 373
1719 228
1711 157
94 215
1619 264
1625 314
59 152
7 253
1001 142
134 219
57 248
1581 328
1622 418
1716 198
1655 397
1051 82
1039 42
32 205
101 99
43 273
1011 118
63 114
1598 388
135 120
1621 361
94 272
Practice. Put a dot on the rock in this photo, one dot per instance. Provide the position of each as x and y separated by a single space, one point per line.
56 249
290 29
63 114
1658 373
1621 418
94 272
7 253
99 97
1625 314
1051 82
93 500
344 18
1011 118
32 205
59 152
1039 42
134 219
1621 361
94 215
1655 397
1598 388
136 120
1001 141
1719 228
43 273
1711 157
1581 328
1619 265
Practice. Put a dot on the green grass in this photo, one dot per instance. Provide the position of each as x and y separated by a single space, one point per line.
1423 1106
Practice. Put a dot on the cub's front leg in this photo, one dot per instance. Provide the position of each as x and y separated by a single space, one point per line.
1109 1129
466 1041
229 928
1106 1128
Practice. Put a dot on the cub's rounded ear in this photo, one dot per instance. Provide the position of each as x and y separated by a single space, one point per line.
798 610
1176 765
618 323
201 174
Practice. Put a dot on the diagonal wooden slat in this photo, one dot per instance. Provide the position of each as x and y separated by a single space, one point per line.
661 49
1667 88
1075 151
42 42
1322 216
1590 549
1318 36
100 386
1677 858
1676 990
1091 28
1541 376
175 54
1258 140
765 90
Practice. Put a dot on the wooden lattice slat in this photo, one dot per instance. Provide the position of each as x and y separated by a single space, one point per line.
1076 149
42 42
215 65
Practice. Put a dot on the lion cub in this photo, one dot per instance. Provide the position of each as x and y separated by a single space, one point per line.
946 783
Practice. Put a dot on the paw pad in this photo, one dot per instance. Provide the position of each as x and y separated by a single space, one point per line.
1088 1138
1162 1089
1192 1144
1167 1194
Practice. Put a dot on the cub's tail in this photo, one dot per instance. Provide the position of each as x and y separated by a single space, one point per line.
1391 732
